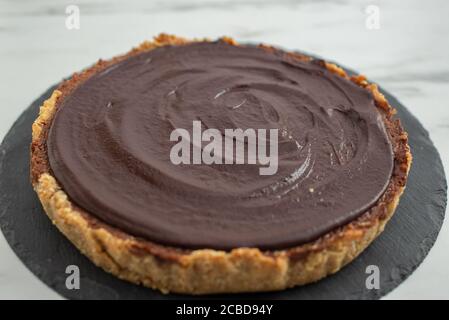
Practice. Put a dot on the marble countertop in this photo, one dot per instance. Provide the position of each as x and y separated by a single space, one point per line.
406 51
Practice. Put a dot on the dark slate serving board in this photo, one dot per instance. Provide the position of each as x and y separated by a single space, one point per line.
397 252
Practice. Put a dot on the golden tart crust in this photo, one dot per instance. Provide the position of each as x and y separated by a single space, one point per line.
204 271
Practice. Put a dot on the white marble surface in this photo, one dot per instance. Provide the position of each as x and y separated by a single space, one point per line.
408 56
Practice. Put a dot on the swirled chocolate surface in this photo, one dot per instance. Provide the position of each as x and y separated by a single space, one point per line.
109 147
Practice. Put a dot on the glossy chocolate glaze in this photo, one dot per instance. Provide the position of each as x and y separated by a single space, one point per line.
109 147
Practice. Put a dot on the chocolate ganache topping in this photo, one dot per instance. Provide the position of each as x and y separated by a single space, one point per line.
109 147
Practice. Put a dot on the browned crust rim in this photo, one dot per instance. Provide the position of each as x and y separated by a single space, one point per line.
211 271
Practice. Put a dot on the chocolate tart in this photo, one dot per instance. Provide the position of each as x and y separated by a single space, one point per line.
100 166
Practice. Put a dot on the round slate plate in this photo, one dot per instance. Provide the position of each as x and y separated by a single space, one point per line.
403 245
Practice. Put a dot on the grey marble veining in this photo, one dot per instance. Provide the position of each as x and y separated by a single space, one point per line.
407 55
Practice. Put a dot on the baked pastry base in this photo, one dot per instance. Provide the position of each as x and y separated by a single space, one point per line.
204 271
